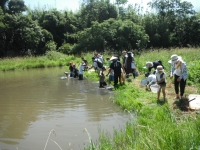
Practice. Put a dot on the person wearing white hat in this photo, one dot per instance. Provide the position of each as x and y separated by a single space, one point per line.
116 66
161 80
179 71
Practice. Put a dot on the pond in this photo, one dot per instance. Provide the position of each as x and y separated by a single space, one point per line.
35 102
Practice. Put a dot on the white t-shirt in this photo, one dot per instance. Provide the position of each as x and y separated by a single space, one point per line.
151 78
81 69
158 76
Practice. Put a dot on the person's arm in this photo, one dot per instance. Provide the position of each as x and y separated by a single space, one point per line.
184 74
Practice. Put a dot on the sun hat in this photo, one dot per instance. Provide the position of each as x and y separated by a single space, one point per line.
148 64
113 57
159 68
174 58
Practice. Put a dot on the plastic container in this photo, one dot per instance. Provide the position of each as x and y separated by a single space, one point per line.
155 88
143 82
194 101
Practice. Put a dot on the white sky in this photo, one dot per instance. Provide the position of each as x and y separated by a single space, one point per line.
74 4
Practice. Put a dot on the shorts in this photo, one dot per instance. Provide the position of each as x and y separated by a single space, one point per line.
162 85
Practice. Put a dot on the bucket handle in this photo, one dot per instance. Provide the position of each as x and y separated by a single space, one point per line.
191 100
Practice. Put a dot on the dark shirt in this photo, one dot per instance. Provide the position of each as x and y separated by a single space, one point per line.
116 66
155 64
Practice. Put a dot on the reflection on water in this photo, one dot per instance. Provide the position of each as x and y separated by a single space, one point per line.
33 102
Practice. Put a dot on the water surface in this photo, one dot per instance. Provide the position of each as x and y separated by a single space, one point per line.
35 102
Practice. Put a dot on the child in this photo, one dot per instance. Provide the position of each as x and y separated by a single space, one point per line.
71 69
102 82
81 69
161 80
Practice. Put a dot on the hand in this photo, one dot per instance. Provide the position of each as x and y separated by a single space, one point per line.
179 79
171 77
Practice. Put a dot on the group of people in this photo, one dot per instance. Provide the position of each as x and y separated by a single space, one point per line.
178 71
75 72
117 70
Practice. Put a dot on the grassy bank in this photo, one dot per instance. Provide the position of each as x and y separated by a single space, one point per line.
155 125
161 125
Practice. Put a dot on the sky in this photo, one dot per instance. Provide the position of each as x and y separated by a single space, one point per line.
74 4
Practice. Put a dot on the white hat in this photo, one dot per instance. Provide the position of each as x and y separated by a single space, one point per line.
113 57
148 64
174 58
159 68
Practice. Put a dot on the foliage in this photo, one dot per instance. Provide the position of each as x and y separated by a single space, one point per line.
98 25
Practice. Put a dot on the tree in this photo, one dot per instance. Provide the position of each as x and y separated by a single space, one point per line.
16 6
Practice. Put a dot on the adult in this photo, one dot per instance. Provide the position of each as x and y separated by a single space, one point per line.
150 65
116 66
151 79
129 64
95 65
179 71
116 55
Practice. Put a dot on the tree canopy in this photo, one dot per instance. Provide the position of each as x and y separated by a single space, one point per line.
98 25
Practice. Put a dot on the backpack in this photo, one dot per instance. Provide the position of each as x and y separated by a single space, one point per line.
117 65
99 63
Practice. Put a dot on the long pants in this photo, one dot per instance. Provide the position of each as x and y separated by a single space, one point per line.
182 84
117 77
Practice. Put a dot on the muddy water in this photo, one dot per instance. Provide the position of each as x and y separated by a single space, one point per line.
39 109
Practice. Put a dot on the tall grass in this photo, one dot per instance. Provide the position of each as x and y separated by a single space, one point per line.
155 126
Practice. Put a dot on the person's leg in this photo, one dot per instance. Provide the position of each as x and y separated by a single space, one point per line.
182 87
158 96
119 77
176 85
115 79
134 70
164 93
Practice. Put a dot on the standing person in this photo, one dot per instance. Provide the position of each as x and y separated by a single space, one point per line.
102 82
161 80
129 61
150 65
116 66
179 70
81 69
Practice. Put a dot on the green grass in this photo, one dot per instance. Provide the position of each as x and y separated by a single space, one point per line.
153 124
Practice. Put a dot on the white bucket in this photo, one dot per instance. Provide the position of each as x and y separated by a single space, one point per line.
143 82
155 88
194 101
